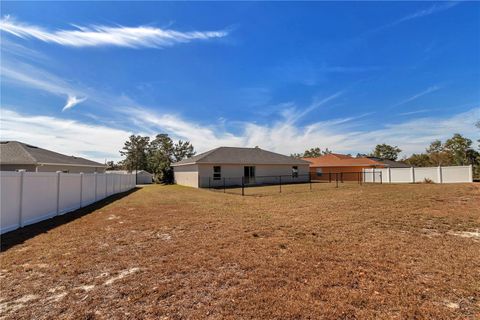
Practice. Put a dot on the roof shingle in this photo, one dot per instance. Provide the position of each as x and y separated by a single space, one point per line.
15 152
233 155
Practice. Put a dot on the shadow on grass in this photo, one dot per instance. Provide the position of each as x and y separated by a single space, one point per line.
20 235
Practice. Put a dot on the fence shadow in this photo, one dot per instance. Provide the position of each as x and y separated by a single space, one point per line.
18 236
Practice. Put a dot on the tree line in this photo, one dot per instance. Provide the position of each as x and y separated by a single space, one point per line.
155 156
455 151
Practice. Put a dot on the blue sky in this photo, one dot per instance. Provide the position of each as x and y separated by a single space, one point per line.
81 77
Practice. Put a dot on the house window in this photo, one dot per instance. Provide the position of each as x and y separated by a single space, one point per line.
217 172
319 172
295 172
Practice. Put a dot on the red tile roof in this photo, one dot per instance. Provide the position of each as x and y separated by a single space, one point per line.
342 160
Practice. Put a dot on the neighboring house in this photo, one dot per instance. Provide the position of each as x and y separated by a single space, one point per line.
143 177
390 163
350 168
16 156
234 166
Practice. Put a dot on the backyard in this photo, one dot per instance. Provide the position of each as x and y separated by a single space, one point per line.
172 252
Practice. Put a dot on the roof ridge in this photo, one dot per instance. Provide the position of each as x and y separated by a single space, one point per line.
23 146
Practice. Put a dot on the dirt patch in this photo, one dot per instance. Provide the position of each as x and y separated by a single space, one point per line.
170 252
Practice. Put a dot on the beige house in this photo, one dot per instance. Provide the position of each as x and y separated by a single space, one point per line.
15 156
231 166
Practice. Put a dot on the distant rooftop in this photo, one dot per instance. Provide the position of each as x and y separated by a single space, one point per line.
15 152
233 155
341 160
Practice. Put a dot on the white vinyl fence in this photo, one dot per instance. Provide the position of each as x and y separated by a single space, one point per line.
455 174
30 197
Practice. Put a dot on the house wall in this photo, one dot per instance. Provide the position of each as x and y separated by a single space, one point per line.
186 175
347 173
15 167
265 174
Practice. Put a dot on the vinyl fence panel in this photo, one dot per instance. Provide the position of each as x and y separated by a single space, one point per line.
39 196
29 197
101 186
70 192
456 174
10 184
430 173
88 189
453 174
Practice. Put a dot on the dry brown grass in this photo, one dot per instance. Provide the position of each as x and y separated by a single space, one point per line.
170 252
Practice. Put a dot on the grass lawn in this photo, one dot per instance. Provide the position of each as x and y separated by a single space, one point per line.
171 252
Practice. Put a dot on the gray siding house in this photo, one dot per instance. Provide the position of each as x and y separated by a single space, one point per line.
234 166
16 156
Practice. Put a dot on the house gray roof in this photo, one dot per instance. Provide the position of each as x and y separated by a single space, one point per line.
14 152
391 163
232 155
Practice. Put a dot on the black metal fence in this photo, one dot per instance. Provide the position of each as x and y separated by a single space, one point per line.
286 183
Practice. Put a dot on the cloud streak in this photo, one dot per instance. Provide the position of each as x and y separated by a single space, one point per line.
74 137
438 7
73 101
418 95
100 35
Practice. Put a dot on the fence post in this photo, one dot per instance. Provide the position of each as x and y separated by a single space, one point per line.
336 180
389 175
243 186
280 179
373 174
58 192
470 173
440 178
381 177
95 175
224 185
81 188
310 181
20 207
412 174
329 177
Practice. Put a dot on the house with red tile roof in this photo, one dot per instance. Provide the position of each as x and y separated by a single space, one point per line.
348 168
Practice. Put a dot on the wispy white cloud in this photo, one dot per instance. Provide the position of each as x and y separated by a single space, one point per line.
341 135
437 7
409 113
100 35
292 114
418 95
63 135
73 101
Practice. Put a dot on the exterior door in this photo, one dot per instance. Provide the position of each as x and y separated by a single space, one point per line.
249 174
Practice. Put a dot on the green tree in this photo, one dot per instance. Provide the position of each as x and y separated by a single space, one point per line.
458 147
311 153
385 151
183 150
438 155
418 160
111 165
135 153
163 152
